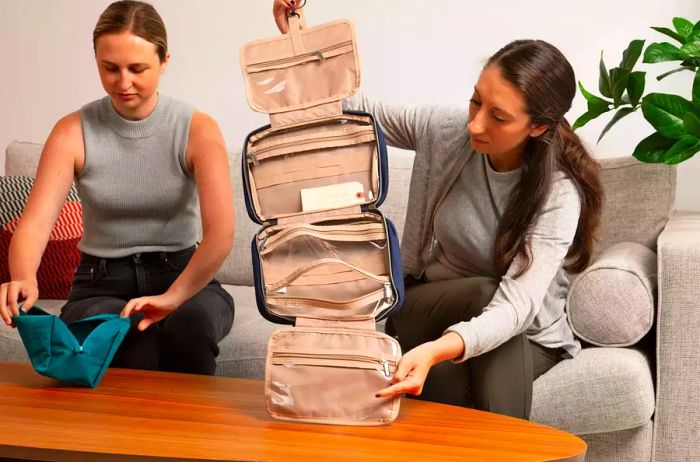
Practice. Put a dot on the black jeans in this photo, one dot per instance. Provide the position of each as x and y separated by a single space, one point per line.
498 381
184 341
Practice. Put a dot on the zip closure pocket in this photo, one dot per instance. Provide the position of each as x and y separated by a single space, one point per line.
331 375
318 55
358 233
293 145
348 360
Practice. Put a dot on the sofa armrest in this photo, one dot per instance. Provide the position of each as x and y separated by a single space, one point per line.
677 418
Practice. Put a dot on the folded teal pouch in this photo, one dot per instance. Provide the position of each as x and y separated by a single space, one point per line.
78 352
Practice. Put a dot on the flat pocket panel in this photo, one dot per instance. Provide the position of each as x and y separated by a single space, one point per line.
331 376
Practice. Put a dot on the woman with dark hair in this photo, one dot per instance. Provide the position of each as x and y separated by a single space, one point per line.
141 162
504 200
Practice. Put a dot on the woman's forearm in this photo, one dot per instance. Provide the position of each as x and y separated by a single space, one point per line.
25 253
202 267
449 346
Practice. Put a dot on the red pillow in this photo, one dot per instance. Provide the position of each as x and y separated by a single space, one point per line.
61 256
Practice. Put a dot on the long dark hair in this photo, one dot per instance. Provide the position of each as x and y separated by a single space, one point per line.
545 78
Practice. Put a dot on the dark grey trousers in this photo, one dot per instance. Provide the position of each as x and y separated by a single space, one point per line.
184 341
498 381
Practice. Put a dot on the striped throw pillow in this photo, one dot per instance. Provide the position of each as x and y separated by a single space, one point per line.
61 256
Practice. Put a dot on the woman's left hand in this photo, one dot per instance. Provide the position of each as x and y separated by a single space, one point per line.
411 372
153 308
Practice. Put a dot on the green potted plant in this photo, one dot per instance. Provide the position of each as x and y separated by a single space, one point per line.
675 119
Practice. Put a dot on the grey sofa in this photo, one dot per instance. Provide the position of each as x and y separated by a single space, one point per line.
637 403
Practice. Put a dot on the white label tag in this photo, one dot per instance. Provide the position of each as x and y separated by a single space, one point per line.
332 196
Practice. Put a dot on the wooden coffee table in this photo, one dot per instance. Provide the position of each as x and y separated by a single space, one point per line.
138 416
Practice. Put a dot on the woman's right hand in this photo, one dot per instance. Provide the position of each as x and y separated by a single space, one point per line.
280 10
11 293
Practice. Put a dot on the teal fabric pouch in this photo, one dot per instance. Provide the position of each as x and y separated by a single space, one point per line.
78 352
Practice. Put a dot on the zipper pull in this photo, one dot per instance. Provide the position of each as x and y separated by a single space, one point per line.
319 55
385 367
263 244
253 157
388 293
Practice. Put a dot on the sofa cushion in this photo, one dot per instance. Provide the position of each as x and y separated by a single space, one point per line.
237 269
400 169
599 390
61 254
611 303
22 158
632 445
638 201
242 352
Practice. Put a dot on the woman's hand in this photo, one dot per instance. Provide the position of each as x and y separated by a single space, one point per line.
413 367
153 308
280 10
411 372
11 293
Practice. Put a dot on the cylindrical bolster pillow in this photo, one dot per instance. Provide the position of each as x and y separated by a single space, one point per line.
611 303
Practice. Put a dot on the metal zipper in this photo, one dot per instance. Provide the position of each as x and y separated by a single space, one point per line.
318 54
382 363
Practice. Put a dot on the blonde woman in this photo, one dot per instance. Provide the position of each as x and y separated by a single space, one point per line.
141 162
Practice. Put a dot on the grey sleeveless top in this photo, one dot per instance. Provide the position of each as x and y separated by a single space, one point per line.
137 192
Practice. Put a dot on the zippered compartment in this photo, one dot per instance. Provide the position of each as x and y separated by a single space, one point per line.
310 296
335 269
368 233
342 136
342 359
303 69
317 55
331 375
280 166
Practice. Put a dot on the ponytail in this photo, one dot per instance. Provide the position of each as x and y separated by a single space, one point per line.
557 149
584 171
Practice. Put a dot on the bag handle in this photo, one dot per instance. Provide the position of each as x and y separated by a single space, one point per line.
296 22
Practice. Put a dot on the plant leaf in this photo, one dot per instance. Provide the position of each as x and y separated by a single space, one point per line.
665 113
691 123
596 107
631 54
666 31
604 80
594 102
683 27
652 148
635 87
618 79
583 119
622 112
663 51
696 89
683 149
691 49
695 33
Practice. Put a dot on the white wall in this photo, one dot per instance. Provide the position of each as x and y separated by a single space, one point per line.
412 52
